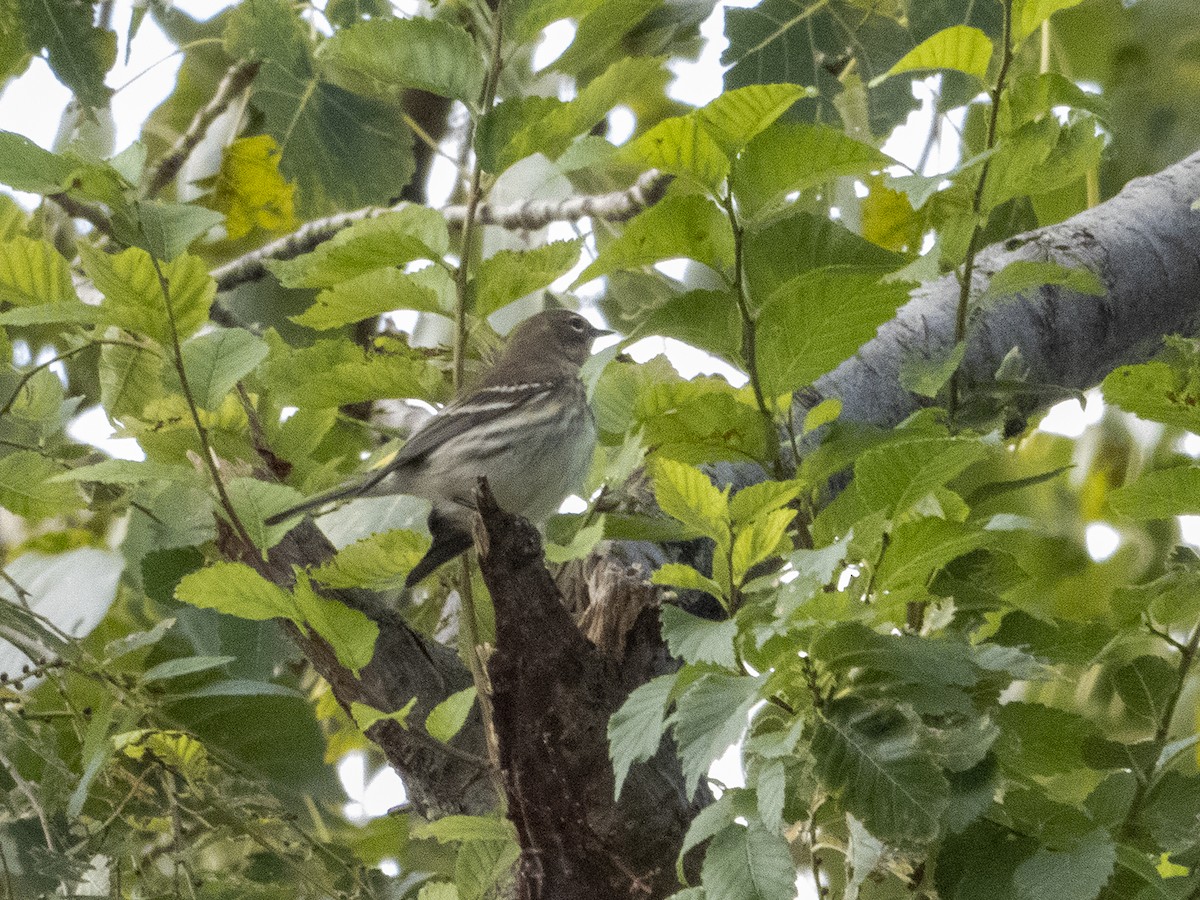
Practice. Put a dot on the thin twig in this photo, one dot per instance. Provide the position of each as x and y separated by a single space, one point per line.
9 894
964 294
31 795
530 215
235 82
190 398
77 209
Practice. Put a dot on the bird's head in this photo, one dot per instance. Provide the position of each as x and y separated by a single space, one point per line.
556 338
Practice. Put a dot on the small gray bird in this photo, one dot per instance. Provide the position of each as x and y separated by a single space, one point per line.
527 427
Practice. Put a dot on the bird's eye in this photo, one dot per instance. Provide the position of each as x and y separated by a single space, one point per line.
577 324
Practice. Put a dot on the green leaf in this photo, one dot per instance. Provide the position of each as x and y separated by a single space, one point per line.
218 360
509 275
70 312
873 760
79 52
379 562
759 499
685 493
918 660
480 865
1023 276
895 477
1028 15
454 829
759 541
251 191
684 576
710 715
863 853
340 149
129 472
365 716
1159 495
1157 391
681 146
133 295
138 640
679 226
447 718
748 864
815 321
393 239
28 487
635 730
919 549
187 665
392 55
1075 874
366 296
1039 740
708 320
735 117
926 376
959 47
336 373
1144 686
25 166
348 631
238 590
696 640
33 272
166 229
790 157
255 501
823 413
130 377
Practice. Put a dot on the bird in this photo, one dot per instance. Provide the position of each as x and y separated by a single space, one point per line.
527 427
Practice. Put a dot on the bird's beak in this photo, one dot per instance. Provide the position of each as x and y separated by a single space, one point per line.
601 332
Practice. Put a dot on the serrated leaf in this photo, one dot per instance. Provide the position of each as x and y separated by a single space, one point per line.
255 501
395 54
791 157
251 191
509 275
238 590
32 272
873 760
133 296
770 788
219 359
129 472
735 117
959 47
919 549
682 146
1075 874
696 640
366 296
635 730
130 377
378 562
316 122
447 718
28 488
686 494
709 717
27 167
1157 391
759 541
895 477
393 239
708 320
684 576
1144 686
1159 495
480 865
748 864
166 229
348 631
678 226
79 52
1028 15
762 498
815 321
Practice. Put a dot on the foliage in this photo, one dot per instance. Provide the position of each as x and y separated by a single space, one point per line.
937 693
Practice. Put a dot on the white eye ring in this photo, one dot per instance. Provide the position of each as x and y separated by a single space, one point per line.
577 324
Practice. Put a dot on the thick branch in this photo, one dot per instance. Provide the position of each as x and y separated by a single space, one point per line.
553 693
1145 246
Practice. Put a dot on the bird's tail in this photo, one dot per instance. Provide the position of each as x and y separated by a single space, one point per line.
345 492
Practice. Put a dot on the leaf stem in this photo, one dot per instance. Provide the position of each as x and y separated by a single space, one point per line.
968 270
749 336
189 397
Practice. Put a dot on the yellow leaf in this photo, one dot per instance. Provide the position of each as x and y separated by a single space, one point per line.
250 190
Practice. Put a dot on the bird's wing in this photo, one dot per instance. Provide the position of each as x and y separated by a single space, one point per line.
478 408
